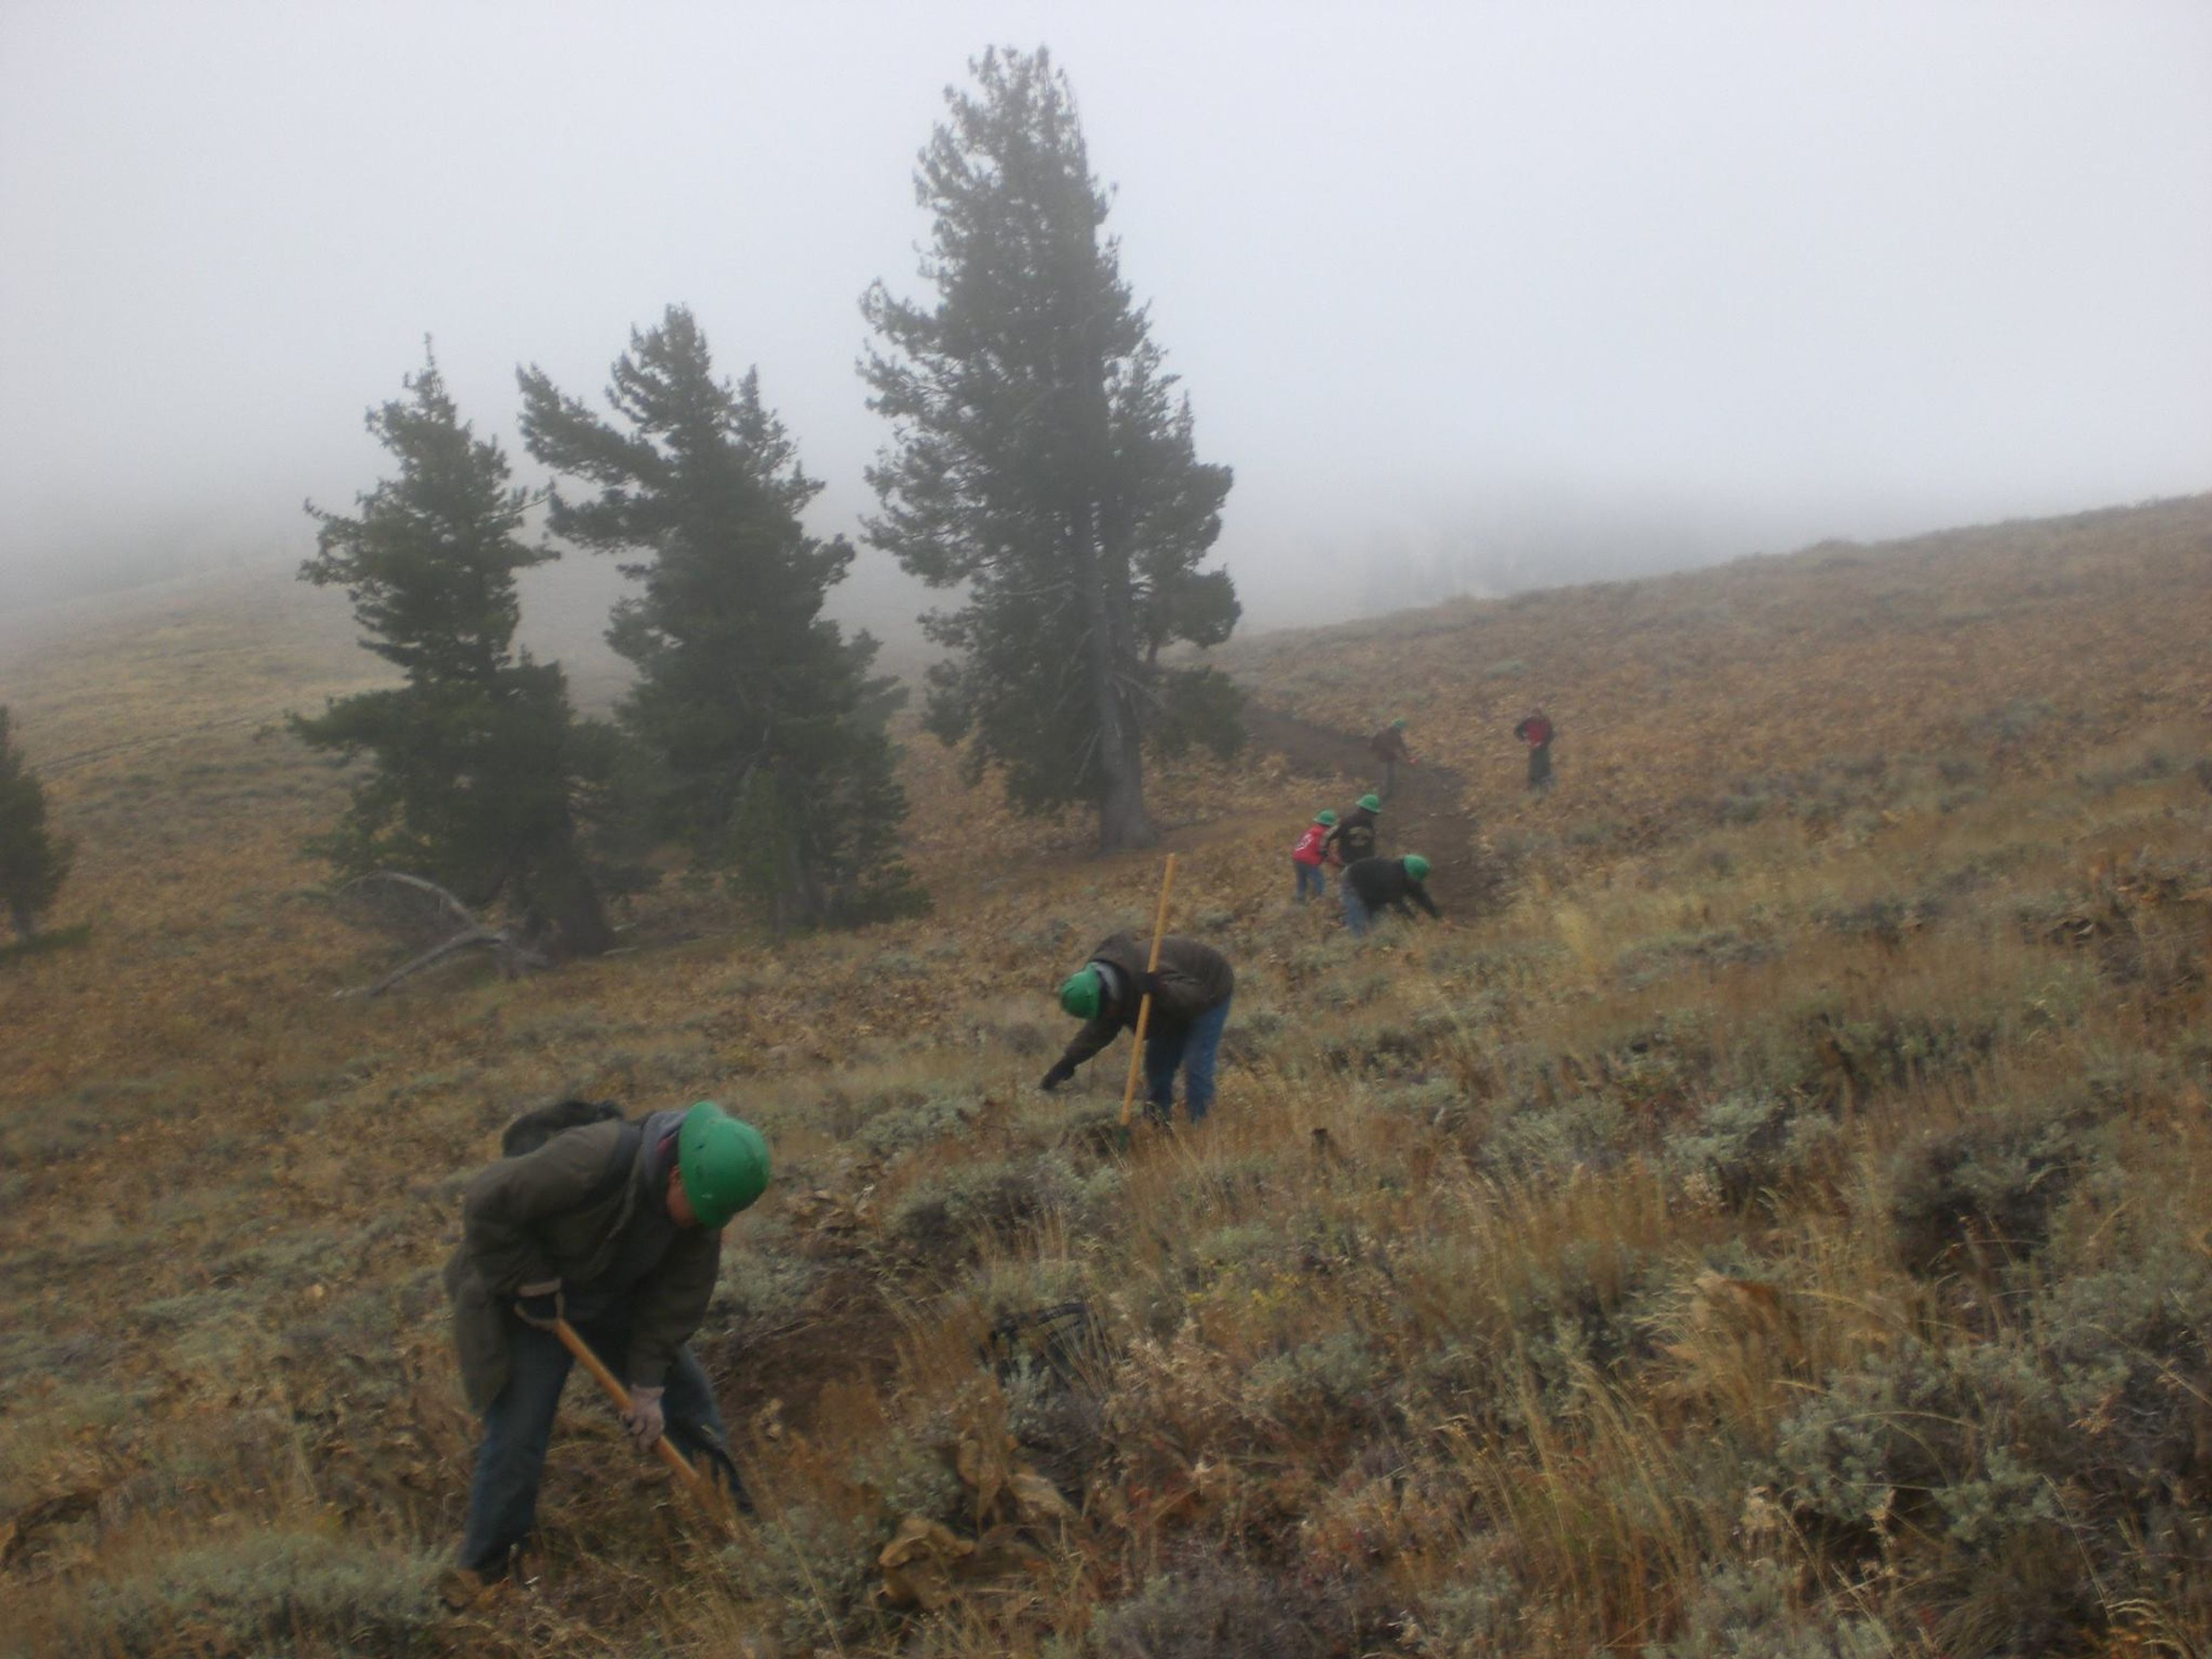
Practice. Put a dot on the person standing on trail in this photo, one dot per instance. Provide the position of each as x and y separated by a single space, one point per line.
1388 744
616 1228
1190 995
1373 883
1353 837
1307 857
1537 732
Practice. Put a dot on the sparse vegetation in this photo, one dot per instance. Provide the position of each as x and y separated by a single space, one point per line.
769 732
1743 1234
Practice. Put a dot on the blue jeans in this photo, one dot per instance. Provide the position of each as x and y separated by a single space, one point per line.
503 1496
1357 916
1312 884
1192 1047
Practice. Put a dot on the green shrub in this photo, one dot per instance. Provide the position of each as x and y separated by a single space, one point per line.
45 943
1320 1383
1753 1611
908 1119
1588 1130
812 1572
1996 1179
945 1216
1750 1143
263 1595
763 1287
1210 1609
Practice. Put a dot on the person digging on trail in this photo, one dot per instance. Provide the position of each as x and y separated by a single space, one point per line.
1307 858
616 1227
1537 732
1190 995
1353 837
1388 744
1372 884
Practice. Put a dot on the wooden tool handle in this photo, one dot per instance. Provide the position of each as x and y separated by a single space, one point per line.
607 1380
1144 1007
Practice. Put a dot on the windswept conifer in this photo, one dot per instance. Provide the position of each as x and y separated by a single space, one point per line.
769 732
479 770
1043 465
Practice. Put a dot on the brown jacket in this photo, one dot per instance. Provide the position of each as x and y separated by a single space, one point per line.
1193 979
1389 744
553 1213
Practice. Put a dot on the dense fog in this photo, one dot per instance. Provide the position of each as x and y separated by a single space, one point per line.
1471 298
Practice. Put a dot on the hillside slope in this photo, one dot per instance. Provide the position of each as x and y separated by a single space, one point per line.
1772 1218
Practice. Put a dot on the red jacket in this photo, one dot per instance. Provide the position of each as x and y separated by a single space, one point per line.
1308 851
1535 731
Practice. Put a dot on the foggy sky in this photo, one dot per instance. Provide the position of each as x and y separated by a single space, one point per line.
1469 295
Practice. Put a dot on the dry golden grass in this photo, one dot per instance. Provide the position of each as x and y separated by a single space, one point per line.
1780 1226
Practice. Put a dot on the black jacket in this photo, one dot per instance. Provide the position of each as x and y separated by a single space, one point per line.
1383 881
1353 838
1192 980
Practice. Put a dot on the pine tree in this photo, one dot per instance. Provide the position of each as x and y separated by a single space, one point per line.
769 731
480 773
34 862
1043 464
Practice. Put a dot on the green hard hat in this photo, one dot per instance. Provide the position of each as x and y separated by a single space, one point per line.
723 1161
1326 817
1082 992
1399 723
1372 803
1416 867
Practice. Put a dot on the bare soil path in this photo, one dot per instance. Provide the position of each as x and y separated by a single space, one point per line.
1426 813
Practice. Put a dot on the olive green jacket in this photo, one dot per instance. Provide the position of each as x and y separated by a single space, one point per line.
1193 979
553 1213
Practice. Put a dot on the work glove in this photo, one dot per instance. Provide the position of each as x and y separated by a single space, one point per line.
1148 985
643 1419
541 1304
1059 1075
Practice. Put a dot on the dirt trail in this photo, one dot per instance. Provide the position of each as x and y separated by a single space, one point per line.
1425 814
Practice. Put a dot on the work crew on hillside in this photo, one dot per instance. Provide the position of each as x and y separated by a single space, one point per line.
1353 837
1373 883
1307 857
615 1228
1190 994
1537 732
1389 746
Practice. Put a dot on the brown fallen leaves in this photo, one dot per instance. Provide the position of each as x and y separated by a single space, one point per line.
926 1564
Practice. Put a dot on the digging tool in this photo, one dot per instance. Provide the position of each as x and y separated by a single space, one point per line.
1145 1008
701 1488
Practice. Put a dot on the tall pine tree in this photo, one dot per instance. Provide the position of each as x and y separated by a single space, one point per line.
479 770
1042 464
33 861
771 735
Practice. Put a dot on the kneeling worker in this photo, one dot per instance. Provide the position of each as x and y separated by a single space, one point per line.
1190 1005
616 1227
1372 883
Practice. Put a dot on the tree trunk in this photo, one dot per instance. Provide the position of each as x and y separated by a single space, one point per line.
1102 568
1122 822
571 903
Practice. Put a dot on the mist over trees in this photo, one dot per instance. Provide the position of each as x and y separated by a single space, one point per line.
768 733
1043 464
34 862
477 762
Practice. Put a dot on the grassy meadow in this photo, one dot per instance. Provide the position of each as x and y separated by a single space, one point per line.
1776 1220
